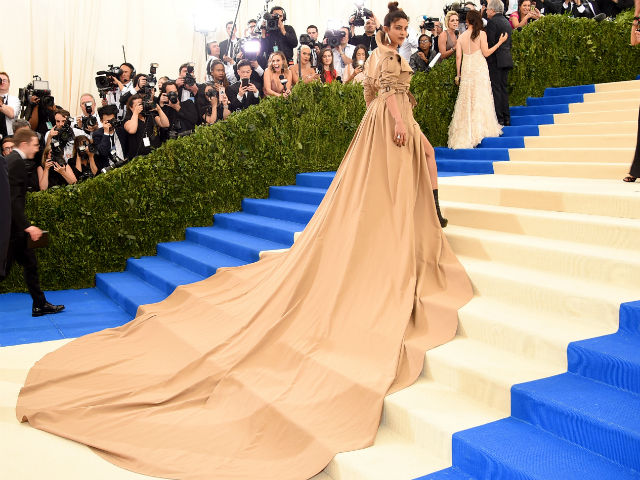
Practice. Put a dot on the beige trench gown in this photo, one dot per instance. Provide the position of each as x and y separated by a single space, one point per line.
270 369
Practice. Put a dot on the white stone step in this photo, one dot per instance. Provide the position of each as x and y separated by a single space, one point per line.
575 195
596 128
391 456
611 266
602 155
627 85
627 140
633 95
581 228
605 106
628 114
429 413
608 171
535 336
482 372
542 293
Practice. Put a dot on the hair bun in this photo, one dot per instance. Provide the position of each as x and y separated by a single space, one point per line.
393 6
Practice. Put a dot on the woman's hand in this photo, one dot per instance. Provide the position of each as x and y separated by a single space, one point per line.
503 38
457 80
400 134
48 164
137 110
58 168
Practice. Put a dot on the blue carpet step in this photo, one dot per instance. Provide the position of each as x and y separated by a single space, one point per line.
315 179
274 229
502 142
591 414
128 290
560 91
492 154
520 131
539 110
546 119
630 317
163 274
471 167
513 449
197 257
451 473
290 211
555 99
611 359
298 194
234 244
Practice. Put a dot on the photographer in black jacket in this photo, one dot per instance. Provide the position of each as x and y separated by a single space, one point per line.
276 34
182 115
244 93
110 142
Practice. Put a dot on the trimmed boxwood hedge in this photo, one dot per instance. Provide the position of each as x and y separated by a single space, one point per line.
97 225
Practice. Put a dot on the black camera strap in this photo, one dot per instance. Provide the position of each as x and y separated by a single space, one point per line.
3 121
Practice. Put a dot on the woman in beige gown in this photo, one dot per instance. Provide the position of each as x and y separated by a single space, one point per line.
270 369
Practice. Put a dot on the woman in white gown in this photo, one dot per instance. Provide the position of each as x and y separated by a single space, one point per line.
474 116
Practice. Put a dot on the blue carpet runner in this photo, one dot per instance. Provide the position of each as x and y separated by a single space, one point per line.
579 425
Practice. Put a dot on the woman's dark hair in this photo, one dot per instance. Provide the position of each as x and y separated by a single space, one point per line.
45 154
225 81
355 53
520 2
394 14
332 69
428 37
163 88
475 20
137 78
76 143
131 99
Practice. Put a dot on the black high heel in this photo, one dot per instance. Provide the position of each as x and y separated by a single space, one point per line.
629 179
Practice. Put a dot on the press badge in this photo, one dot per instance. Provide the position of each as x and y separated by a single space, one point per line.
146 142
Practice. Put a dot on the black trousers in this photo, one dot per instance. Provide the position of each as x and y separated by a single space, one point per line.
635 166
499 78
26 258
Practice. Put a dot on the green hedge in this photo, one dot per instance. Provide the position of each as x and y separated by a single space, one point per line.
97 225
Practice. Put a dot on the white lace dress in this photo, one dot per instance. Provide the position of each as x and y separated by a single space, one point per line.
474 116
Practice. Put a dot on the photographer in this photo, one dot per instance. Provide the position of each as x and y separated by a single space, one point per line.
138 86
42 115
343 53
83 164
220 85
186 82
276 36
230 50
52 173
89 121
9 106
308 72
123 83
420 60
143 121
110 141
250 31
368 38
582 9
243 94
61 136
214 55
182 115
355 71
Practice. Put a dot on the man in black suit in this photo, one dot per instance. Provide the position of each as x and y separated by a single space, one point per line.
111 143
26 146
244 93
500 62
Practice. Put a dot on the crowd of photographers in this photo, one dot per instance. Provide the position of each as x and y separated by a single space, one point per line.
137 112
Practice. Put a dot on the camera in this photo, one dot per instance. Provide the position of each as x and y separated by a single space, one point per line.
189 78
360 14
114 160
428 23
148 101
84 149
38 88
213 92
89 121
334 37
104 80
173 97
272 21
460 9
65 134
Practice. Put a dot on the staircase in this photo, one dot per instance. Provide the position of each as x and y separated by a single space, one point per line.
551 247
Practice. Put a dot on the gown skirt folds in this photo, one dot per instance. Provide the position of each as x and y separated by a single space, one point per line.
270 369
474 115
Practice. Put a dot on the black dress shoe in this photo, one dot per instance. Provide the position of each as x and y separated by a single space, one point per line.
46 309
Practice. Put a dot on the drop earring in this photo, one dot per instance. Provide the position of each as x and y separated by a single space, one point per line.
387 38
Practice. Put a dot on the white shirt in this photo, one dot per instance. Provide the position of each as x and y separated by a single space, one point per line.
410 44
338 62
14 103
113 98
